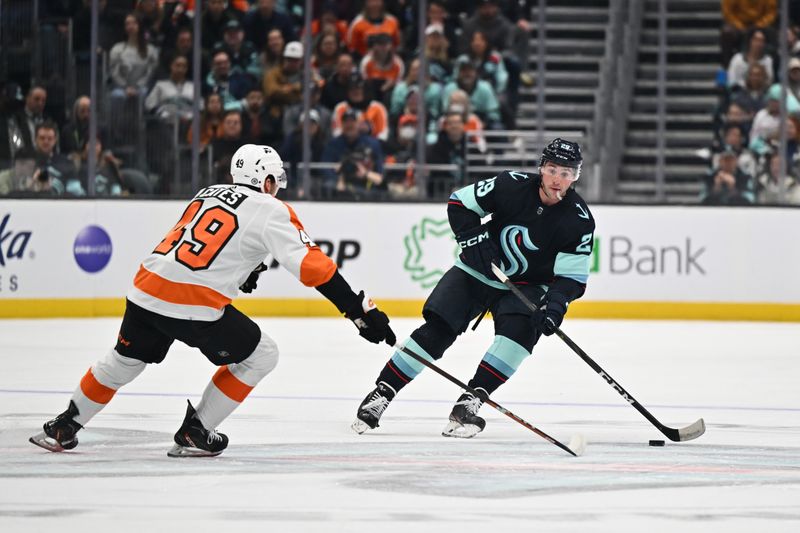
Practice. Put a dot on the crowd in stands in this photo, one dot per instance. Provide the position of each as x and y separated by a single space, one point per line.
365 95
746 161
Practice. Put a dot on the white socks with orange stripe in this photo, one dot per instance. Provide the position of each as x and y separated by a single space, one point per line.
232 383
101 382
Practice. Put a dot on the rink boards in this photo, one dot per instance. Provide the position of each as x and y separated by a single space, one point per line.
78 258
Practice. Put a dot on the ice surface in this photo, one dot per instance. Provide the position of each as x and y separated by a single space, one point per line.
295 465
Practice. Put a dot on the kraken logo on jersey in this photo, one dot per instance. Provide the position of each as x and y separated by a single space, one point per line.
510 239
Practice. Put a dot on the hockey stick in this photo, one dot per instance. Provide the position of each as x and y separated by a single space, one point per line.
577 444
692 431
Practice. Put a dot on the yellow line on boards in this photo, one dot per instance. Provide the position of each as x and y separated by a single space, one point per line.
86 307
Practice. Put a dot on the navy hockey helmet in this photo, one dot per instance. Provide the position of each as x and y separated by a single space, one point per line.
563 153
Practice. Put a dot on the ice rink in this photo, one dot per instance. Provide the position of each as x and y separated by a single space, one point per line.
294 464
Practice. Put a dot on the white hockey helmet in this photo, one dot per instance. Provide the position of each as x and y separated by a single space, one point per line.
253 163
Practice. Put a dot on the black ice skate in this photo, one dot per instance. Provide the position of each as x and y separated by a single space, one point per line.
464 420
194 440
373 406
59 433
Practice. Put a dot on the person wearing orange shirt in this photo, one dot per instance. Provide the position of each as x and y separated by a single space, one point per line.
372 115
372 20
183 291
381 66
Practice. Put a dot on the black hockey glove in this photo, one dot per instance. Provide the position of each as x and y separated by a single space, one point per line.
251 282
372 323
478 251
550 315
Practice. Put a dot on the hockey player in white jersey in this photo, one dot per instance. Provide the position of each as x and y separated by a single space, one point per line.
183 290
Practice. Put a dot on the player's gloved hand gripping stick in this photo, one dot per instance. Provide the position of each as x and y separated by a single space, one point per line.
251 282
478 250
372 323
692 431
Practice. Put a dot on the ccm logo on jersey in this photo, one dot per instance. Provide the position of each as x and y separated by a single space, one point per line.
472 241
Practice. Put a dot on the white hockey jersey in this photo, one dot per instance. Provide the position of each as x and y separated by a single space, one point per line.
224 234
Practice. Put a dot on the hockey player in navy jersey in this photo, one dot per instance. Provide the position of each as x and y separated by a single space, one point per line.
540 234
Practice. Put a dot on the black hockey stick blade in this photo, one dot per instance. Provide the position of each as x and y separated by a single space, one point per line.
690 432
577 444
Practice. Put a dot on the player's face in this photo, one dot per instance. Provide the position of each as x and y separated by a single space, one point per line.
556 179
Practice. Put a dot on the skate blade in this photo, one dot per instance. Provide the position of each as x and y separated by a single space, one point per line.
359 426
182 451
43 441
460 431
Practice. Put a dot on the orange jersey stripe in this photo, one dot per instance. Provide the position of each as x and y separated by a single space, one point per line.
230 385
316 267
178 293
94 390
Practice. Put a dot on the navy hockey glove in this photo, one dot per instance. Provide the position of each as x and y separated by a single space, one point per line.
478 251
251 282
372 323
550 315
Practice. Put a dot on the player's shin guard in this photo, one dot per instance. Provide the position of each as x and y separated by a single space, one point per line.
101 382
499 363
232 383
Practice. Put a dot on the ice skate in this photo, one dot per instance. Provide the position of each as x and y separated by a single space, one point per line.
464 420
373 406
59 433
194 440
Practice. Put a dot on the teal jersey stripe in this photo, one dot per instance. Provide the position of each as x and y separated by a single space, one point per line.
467 197
572 266
480 277
505 355
407 364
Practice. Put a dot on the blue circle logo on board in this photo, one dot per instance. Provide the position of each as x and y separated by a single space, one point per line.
92 249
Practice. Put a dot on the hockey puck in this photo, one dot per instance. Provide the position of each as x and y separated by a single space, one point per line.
656 443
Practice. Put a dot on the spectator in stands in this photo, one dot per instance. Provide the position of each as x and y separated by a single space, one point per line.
173 97
440 17
433 93
727 184
107 180
292 149
360 161
329 22
326 55
770 187
753 95
481 96
55 172
793 79
372 115
283 85
373 19
183 46
291 114
437 52
381 67
450 149
226 145
273 51
258 124
473 126
263 18
215 17
792 103
755 53
767 121
151 17
741 17
737 115
75 133
24 122
734 140
132 63
335 89
231 86
242 54
488 62
19 177
210 121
